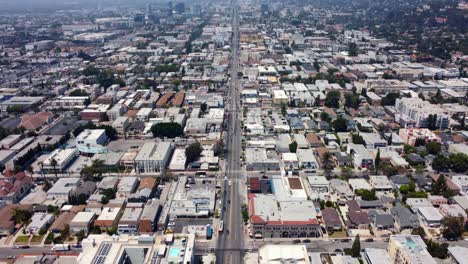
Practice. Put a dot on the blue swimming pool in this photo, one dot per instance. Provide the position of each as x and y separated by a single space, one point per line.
174 252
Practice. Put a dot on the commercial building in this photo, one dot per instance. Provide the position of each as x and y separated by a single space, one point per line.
409 249
92 141
377 256
62 188
275 254
69 102
270 217
127 186
149 216
82 222
153 157
415 112
129 222
59 159
170 248
410 135
178 160
109 217
257 159
307 159
193 199
24 102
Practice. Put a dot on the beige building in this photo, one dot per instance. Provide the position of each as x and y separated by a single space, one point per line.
409 249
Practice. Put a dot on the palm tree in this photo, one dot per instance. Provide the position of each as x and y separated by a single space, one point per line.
54 164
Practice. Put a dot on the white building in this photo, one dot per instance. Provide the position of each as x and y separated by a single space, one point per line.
153 157
92 141
178 160
62 188
414 112
38 221
62 157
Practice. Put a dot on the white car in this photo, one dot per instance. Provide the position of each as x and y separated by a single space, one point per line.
230 182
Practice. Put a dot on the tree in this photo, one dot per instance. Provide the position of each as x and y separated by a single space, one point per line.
80 236
440 163
419 142
437 250
47 185
293 147
433 148
419 231
203 107
169 130
324 116
358 139
459 162
453 227
408 149
340 124
367 195
440 186
352 49
356 248
404 189
328 163
193 152
53 164
218 148
332 99
283 110
390 99
352 100
78 92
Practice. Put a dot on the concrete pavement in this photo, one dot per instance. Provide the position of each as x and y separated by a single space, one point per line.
230 245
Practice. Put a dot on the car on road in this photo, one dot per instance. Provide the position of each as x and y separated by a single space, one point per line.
296 241
25 246
15 247
230 182
369 240
306 241
11 257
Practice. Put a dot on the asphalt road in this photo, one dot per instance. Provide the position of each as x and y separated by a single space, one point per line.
231 244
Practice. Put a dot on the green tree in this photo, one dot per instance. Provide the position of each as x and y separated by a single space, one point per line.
352 100
358 139
367 195
332 99
440 163
78 92
390 99
419 231
453 227
193 152
283 110
356 248
440 186
203 107
433 148
459 162
327 162
324 116
352 49
169 130
340 124
80 236
293 147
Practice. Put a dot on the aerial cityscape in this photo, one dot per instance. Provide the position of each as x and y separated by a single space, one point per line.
228 132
